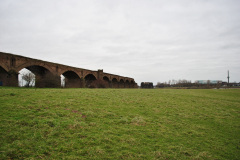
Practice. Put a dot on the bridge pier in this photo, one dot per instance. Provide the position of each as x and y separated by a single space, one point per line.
10 79
100 74
3 76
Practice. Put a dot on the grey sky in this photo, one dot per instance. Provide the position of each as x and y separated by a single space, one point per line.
148 40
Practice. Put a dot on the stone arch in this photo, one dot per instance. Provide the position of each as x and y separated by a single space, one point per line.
115 83
89 78
8 75
71 79
106 78
115 78
127 84
72 70
3 75
131 83
45 77
28 64
121 83
87 73
8 78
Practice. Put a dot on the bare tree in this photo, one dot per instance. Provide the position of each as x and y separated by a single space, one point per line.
29 78
99 84
63 81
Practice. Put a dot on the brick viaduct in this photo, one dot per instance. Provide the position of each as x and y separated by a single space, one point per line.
11 64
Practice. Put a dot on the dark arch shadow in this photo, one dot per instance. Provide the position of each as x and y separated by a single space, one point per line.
4 77
105 78
121 84
131 84
127 84
72 80
89 79
114 83
38 70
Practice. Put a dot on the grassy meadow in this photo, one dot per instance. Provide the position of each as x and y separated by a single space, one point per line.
119 123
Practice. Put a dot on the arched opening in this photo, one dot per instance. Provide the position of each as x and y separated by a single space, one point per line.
89 79
105 78
26 78
70 79
3 77
8 78
114 83
121 84
127 84
38 76
131 84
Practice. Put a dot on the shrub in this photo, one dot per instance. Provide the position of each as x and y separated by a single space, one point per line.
99 84
92 86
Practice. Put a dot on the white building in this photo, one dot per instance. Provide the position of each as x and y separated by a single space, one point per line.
209 81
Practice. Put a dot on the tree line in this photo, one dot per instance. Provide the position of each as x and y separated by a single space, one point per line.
186 83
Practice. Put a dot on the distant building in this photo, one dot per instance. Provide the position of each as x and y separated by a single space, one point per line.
234 84
146 85
224 83
209 81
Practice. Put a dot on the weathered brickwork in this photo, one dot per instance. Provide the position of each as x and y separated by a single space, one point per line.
11 64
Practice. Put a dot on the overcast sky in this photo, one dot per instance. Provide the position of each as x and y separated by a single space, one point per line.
148 40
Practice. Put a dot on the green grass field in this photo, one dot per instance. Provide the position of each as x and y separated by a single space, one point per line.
119 124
